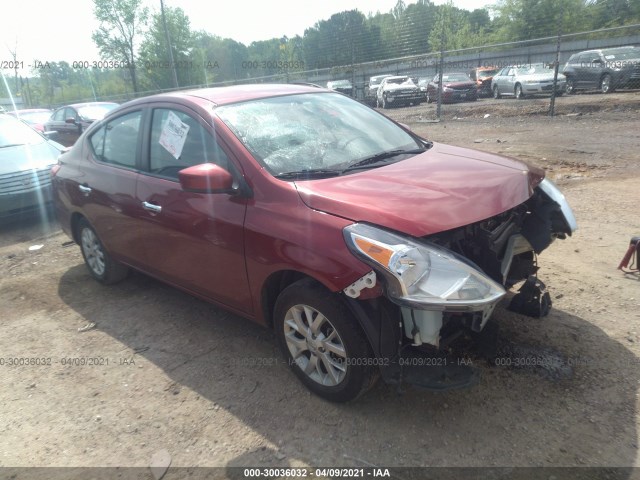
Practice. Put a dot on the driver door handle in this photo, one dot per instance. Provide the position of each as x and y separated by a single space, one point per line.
84 189
151 207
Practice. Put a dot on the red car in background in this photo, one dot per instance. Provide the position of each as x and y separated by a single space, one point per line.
359 243
456 87
35 117
70 121
483 76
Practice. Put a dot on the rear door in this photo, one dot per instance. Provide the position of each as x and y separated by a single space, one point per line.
193 240
104 187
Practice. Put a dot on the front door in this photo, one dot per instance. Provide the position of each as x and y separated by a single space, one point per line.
193 240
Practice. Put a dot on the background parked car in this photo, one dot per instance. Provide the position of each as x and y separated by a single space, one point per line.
519 81
26 158
483 76
70 121
342 86
35 117
397 90
606 69
371 94
422 83
456 87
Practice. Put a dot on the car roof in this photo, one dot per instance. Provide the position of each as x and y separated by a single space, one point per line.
231 94
87 104
610 49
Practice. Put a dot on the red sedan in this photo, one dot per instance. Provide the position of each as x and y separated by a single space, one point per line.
456 87
358 242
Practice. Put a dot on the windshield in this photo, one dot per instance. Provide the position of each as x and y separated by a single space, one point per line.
312 131
455 77
626 54
487 73
400 81
13 132
96 112
532 69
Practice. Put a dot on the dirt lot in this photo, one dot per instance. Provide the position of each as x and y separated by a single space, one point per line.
163 370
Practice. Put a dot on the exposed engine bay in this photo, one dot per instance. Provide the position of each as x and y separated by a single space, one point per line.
504 247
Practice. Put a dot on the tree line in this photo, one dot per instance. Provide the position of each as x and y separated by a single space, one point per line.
134 43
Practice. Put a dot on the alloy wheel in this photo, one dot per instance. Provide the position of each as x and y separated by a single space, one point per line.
315 345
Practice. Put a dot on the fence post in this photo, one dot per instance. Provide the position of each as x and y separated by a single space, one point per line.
440 73
556 66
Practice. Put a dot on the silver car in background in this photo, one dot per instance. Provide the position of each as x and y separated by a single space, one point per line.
26 158
522 80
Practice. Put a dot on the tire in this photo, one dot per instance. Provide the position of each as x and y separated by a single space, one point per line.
559 94
496 93
385 104
378 103
570 86
317 334
518 92
429 99
100 264
605 84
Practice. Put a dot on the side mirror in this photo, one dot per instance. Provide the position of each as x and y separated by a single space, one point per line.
70 120
206 178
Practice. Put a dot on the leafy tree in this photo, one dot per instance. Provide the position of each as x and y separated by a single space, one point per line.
154 54
530 19
119 29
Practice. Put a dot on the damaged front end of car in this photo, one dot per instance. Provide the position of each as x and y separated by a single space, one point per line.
444 285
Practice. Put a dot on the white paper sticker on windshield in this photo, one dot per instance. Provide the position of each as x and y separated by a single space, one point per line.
173 135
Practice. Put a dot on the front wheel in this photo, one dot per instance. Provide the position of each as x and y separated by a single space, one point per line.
385 104
518 92
100 264
496 93
323 343
570 86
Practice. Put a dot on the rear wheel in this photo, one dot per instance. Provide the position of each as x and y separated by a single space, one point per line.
323 343
605 84
100 264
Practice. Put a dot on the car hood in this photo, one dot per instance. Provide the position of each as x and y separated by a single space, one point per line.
399 86
541 77
27 157
443 188
459 84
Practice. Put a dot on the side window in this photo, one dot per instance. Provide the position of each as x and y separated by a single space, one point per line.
70 113
115 143
198 147
59 115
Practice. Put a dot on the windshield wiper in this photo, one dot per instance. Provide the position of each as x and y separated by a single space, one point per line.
381 158
308 173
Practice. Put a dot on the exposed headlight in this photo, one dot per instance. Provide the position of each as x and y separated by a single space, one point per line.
422 275
554 193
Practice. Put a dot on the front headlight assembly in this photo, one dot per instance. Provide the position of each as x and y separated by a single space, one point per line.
422 275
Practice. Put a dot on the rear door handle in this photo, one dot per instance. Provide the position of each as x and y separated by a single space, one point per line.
84 189
151 207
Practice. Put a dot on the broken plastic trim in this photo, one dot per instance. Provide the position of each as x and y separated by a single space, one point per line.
366 281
